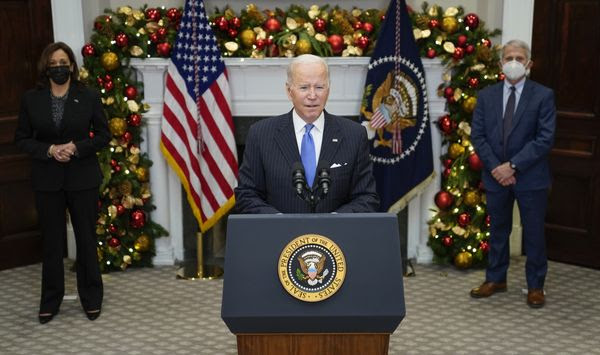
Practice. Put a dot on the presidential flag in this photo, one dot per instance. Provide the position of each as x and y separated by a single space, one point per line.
197 133
395 113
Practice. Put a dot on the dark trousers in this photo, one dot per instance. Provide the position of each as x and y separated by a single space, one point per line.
532 208
83 208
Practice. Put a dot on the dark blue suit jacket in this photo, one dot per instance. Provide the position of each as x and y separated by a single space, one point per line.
265 179
36 131
529 141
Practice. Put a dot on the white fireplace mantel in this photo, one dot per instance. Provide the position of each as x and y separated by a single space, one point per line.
257 90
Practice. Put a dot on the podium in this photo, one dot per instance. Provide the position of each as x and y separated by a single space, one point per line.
357 319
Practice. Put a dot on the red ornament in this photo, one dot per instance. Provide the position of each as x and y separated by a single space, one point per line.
120 209
269 41
501 76
368 27
232 33
445 124
273 50
464 219
162 32
235 22
469 49
431 53
272 25
134 120
127 136
320 25
91 134
107 77
121 40
112 229
443 200
100 81
446 173
486 42
88 50
471 20
114 242
488 219
154 37
433 23
222 23
113 163
459 53
448 163
362 42
260 44
117 168
137 219
130 92
163 49
473 82
461 41
98 25
173 14
337 43
447 241
484 246
153 14
357 25
108 86
474 162
448 92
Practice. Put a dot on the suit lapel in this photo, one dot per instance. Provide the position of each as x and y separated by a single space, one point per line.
499 97
73 100
286 139
332 138
523 100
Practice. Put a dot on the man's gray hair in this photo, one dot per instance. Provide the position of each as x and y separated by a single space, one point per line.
305 59
519 44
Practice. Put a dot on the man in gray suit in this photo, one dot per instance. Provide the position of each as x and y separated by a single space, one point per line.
306 138
513 132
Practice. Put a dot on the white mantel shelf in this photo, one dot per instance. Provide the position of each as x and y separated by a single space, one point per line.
258 90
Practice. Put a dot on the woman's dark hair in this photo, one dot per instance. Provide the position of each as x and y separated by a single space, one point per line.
43 80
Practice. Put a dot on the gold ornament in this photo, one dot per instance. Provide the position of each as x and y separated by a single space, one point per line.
112 211
463 260
125 188
142 243
117 126
138 15
451 11
136 51
110 61
450 24
469 104
136 256
152 26
247 36
141 173
465 143
449 47
455 150
303 46
433 11
83 73
472 198
130 21
232 46
127 259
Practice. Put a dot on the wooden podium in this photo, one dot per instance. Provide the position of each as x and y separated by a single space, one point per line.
358 319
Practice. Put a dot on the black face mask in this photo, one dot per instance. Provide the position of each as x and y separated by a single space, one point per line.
59 74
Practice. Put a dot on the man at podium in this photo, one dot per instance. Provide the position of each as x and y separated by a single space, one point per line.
306 160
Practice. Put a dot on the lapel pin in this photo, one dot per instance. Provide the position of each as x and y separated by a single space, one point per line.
334 140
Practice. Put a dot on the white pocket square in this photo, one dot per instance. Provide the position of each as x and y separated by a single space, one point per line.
336 165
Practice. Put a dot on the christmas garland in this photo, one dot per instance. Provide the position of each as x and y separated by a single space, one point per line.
126 235
459 229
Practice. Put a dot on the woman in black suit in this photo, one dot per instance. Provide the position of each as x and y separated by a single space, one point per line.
54 125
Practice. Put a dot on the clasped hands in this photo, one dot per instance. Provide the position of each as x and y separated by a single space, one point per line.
62 152
504 174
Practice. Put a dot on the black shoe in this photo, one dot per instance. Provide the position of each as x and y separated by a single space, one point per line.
46 317
92 315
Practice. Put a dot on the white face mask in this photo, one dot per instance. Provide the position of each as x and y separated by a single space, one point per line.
514 70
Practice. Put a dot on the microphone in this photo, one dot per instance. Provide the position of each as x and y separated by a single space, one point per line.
298 179
323 176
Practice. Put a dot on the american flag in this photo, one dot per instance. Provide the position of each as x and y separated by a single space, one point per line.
197 133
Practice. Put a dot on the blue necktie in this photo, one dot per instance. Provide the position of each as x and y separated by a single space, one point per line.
307 153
